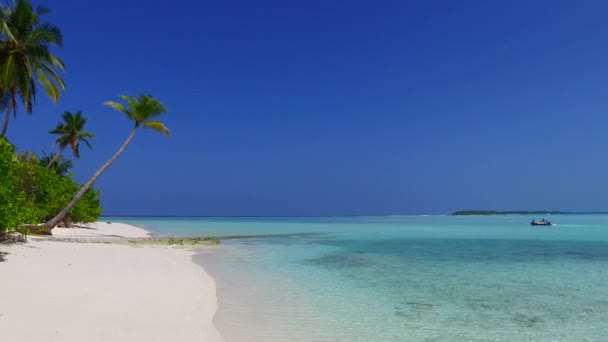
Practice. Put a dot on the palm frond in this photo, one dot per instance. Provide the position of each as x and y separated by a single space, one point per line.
71 132
8 71
57 130
57 63
6 31
86 142
118 106
76 151
63 141
50 88
5 101
61 166
53 33
86 134
25 56
157 126
141 109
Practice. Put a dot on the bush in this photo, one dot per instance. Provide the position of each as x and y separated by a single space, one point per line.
50 192
10 197
88 209
31 193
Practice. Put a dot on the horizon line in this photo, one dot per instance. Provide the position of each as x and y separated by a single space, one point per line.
554 212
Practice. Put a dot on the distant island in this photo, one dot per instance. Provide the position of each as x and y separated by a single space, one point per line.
518 212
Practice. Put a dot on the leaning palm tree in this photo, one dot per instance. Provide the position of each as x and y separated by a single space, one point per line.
57 163
71 133
25 57
141 110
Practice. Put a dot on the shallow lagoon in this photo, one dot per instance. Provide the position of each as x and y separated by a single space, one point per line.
407 278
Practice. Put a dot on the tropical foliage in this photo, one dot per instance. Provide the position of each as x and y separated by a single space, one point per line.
141 110
26 57
57 163
34 190
30 193
71 133
11 200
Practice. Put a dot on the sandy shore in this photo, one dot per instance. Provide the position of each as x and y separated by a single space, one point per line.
102 229
73 292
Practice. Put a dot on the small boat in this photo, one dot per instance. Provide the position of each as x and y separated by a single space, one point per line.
542 222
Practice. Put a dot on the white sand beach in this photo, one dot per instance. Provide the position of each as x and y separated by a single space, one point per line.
74 292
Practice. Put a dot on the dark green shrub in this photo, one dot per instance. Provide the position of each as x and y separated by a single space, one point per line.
10 198
31 193
88 209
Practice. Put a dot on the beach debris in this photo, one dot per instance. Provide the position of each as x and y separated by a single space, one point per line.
143 241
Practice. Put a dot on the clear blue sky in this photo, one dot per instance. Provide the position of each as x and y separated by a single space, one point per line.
340 107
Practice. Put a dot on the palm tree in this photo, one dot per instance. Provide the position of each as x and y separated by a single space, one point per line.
71 133
141 110
25 57
56 162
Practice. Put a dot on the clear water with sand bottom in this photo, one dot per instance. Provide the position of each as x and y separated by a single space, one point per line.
405 278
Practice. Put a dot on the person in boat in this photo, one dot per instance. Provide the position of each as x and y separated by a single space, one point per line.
542 222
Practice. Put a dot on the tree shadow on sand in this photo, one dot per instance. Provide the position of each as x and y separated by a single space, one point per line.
2 255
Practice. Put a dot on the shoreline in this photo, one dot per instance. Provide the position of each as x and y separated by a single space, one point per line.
70 291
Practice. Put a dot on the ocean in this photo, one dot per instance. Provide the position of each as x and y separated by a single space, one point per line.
404 278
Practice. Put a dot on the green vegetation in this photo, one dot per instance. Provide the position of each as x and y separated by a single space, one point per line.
26 58
71 133
59 164
31 193
36 190
140 110
11 200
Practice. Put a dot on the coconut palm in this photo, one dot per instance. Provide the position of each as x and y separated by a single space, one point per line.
71 133
141 110
56 162
25 57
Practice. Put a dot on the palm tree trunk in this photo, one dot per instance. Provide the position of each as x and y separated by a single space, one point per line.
53 222
7 118
10 106
55 158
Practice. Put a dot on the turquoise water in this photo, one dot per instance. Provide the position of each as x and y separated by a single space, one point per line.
409 278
